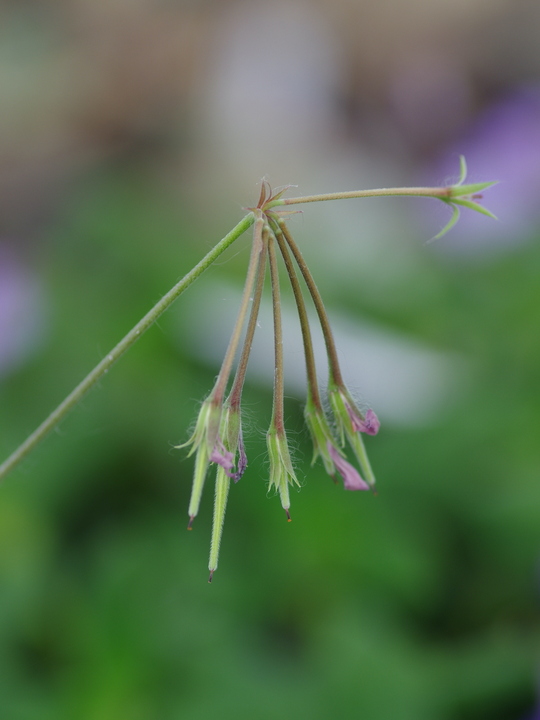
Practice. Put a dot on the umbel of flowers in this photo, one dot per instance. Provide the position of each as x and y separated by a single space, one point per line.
217 438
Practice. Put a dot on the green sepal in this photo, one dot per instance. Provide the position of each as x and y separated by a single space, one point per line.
464 190
321 435
206 428
281 469
359 450
474 206
450 224
462 170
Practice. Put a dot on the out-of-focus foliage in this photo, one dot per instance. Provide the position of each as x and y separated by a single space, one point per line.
419 604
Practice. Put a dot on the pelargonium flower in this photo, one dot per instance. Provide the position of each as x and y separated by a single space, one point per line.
325 447
231 442
231 430
203 441
321 435
349 419
213 442
350 423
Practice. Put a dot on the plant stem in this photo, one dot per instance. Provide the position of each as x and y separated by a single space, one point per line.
441 193
311 370
333 360
277 412
235 395
133 335
257 248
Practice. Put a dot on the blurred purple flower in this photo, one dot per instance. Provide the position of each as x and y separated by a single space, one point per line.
535 715
21 311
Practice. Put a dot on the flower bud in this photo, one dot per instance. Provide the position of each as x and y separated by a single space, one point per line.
232 431
216 438
324 446
281 469
348 417
206 428
350 422
321 435
203 442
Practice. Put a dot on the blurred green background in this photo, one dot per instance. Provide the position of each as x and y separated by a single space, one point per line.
130 135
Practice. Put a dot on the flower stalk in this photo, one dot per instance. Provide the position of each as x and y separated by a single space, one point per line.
457 193
257 248
311 371
232 430
281 469
78 393
331 351
349 420
235 395
207 440
324 443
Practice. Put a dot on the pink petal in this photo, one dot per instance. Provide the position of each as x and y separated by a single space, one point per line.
222 457
370 424
242 460
351 476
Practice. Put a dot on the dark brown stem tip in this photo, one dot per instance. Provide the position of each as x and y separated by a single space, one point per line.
211 576
190 523
288 514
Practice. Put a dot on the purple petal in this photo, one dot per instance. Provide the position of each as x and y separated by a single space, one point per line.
242 460
222 457
351 476
370 424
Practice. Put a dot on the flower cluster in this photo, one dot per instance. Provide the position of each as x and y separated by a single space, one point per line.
217 438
